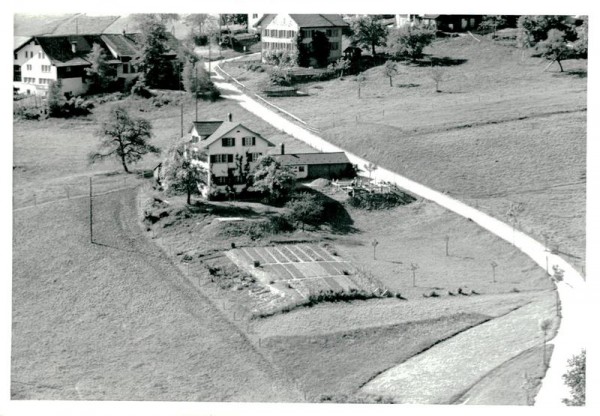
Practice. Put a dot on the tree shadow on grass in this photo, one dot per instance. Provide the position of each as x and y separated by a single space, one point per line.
337 217
579 73
439 61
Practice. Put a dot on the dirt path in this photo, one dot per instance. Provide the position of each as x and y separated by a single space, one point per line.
116 320
570 338
449 369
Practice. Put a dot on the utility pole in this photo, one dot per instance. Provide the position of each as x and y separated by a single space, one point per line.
91 215
182 119
414 267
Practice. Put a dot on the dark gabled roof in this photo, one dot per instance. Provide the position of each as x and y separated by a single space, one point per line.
312 158
123 45
205 128
308 20
58 48
225 128
319 20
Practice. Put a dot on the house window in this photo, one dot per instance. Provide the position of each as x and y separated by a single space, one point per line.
328 33
249 141
253 157
335 46
221 158
29 80
126 68
301 169
195 139
29 67
45 81
255 16
228 141
220 180
16 55
46 68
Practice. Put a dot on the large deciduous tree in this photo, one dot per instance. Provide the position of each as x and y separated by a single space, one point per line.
409 42
273 179
124 138
197 82
491 23
100 73
196 20
306 209
534 29
368 32
390 70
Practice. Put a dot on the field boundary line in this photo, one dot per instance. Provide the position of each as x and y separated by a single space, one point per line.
72 198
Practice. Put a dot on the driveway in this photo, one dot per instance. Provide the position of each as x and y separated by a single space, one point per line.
569 340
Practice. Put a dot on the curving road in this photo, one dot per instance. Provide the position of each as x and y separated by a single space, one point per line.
568 341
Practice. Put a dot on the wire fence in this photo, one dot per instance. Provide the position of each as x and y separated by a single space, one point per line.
26 197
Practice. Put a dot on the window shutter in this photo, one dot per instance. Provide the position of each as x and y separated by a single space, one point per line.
229 158
212 158
254 141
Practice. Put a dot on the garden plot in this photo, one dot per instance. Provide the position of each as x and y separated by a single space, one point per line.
300 269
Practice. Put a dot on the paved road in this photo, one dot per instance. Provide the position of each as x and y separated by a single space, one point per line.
117 320
570 337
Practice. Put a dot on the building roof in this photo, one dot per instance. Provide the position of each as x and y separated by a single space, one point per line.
84 25
205 128
312 158
59 48
123 45
431 16
217 129
20 41
308 20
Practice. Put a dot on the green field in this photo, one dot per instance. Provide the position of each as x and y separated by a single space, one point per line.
502 130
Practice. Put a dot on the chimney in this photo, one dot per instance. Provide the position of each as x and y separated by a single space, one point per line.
282 148
74 46
229 117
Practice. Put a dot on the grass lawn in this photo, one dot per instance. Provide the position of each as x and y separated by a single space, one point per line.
502 130
51 154
115 320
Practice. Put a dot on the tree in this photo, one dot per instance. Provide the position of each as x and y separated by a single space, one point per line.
180 174
534 29
234 19
437 75
409 42
320 47
370 167
306 209
554 47
197 82
196 20
273 179
491 23
575 379
340 66
302 51
390 70
157 70
581 44
124 138
56 99
368 32
100 72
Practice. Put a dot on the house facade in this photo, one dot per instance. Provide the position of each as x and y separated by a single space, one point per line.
279 31
222 148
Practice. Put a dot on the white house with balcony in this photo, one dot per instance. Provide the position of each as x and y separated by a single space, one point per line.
224 149
279 31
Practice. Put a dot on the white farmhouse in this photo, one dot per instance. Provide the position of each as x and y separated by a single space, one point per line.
279 31
222 147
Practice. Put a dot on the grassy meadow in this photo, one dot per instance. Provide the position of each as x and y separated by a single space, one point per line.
502 130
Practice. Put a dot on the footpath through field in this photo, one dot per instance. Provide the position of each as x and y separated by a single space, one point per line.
568 341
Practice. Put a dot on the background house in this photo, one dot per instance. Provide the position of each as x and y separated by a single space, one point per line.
40 60
279 31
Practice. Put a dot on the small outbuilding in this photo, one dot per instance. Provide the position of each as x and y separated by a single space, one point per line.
318 165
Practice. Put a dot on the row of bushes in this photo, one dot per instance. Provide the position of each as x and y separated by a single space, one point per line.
344 296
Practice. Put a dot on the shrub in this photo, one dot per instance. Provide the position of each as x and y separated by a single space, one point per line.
369 201
140 89
575 380
27 113
281 77
307 209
